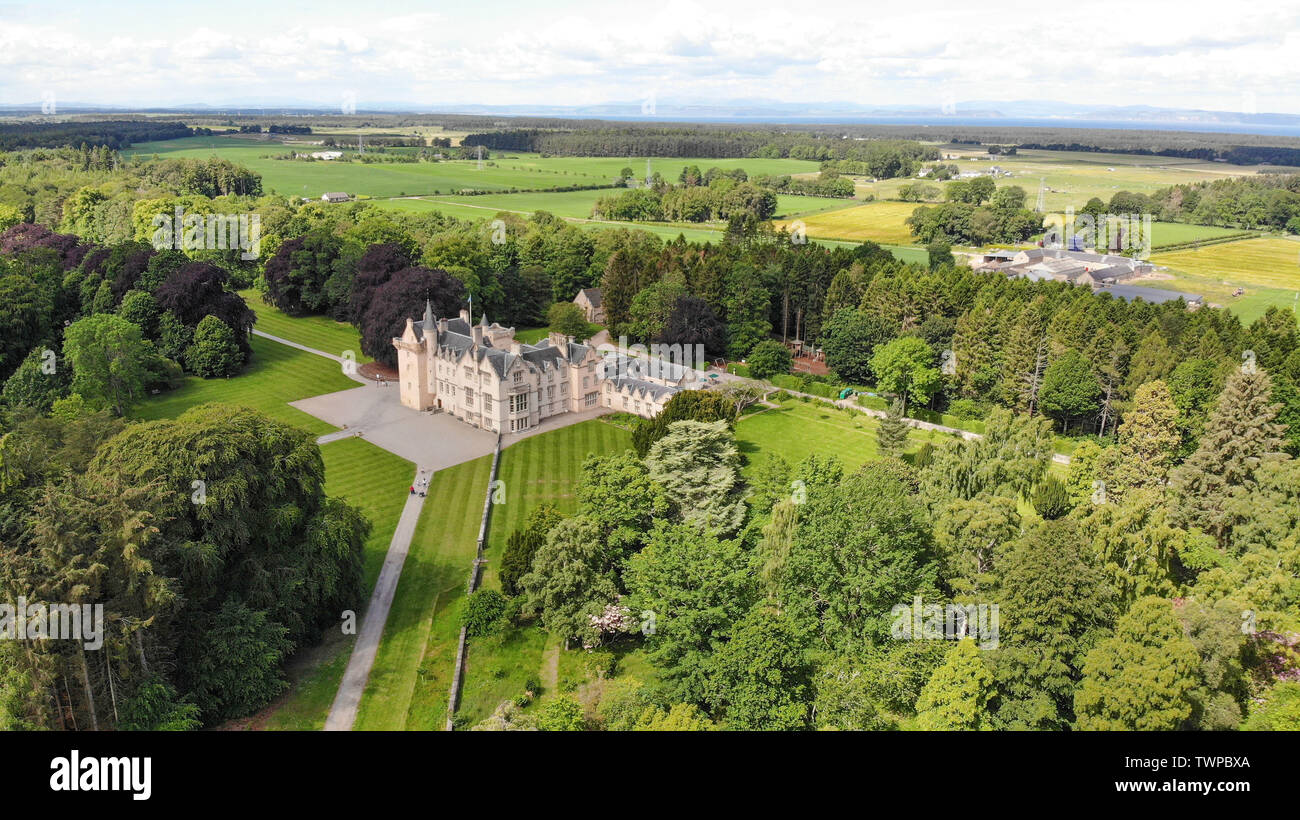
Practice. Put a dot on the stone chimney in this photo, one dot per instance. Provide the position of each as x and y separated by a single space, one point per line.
464 315
516 348
442 325
477 333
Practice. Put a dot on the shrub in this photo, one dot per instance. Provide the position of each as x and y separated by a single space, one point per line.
966 409
485 612
214 351
922 458
769 359
562 715
600 663
1051 499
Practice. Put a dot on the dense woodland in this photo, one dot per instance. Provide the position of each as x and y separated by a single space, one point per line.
1267 201
633 141
1146 592
114 134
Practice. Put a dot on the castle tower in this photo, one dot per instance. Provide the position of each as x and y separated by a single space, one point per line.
415 362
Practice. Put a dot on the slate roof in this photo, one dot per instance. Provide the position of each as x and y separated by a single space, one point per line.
458 339
642 388
1152 295
593 296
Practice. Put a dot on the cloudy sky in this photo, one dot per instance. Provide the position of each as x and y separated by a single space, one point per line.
1169 54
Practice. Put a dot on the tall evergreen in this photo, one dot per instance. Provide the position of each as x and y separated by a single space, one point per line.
1241 434
1148 438
891 434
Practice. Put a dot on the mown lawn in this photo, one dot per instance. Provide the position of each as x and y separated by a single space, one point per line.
319 332
411 678
797 430
542 469
277 375
376 482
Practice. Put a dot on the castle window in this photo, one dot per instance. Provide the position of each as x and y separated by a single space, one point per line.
519 376
487 403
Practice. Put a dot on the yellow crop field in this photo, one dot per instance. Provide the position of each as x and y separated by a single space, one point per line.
1267 270
876 221
1272 262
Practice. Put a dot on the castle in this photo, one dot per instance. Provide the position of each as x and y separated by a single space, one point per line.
485 377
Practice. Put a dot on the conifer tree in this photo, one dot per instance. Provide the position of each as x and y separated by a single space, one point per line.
957 696
1145 678
1241 434
891 434
1148 438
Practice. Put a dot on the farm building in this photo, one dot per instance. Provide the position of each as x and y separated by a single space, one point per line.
335 196
1061 265
1155 296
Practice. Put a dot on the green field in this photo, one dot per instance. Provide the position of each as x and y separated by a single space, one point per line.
499 173
277 375
578 204
375 481
311 179
1164 234
411 678
1072 178
1268 269
319 332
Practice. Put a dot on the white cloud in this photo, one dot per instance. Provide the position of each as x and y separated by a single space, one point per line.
1108 52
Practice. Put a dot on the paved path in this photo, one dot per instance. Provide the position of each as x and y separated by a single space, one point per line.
432 442
353 375
343 712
